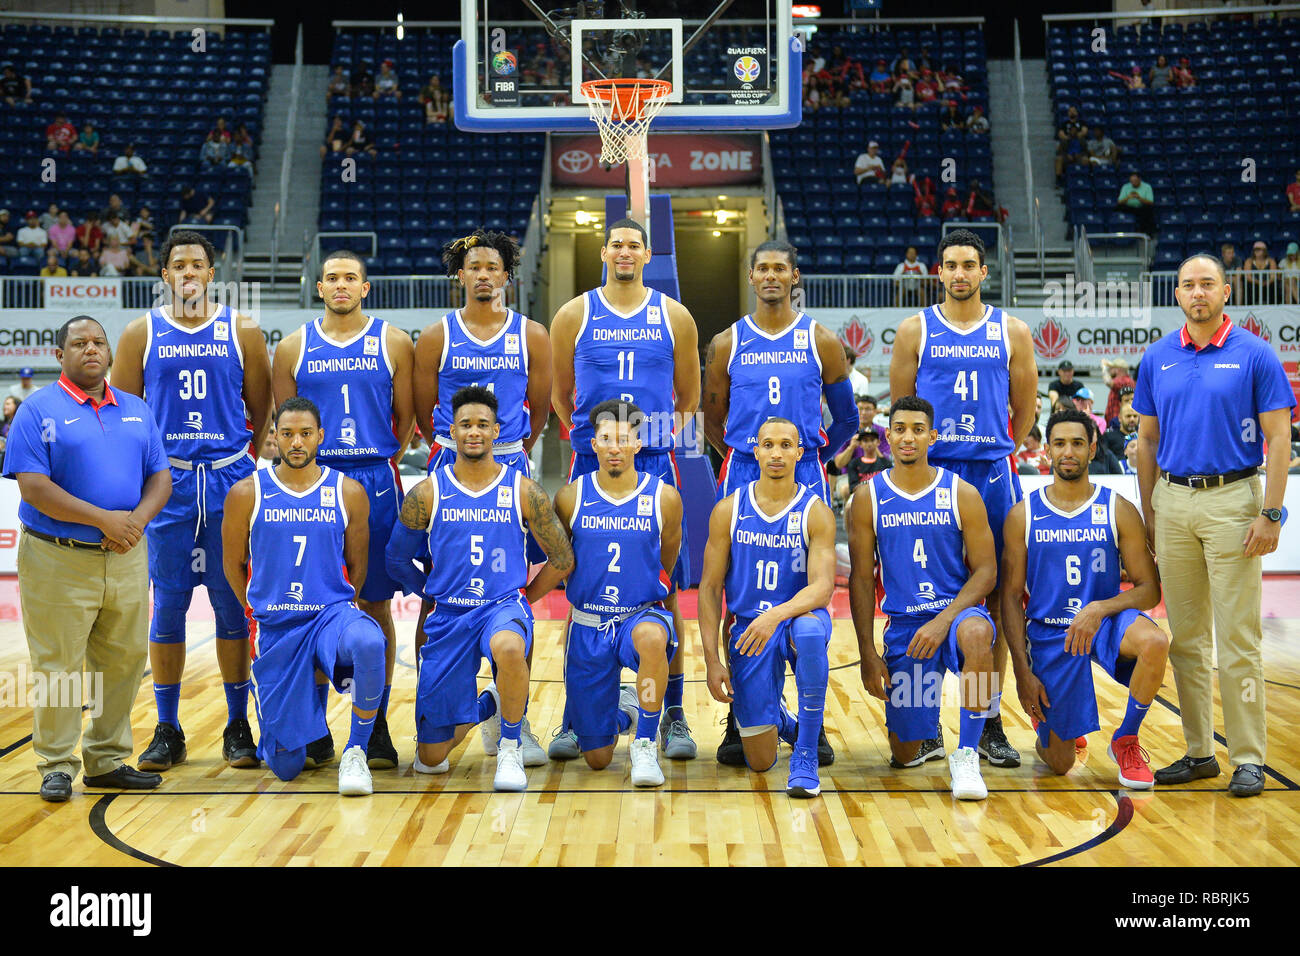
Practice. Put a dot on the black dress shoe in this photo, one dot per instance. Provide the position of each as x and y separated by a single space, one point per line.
125 778
165 750
1247 781
237 747
825 752
380 752
1186 769
731 752
56 787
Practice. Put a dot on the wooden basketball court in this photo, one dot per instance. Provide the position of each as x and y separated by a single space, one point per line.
207 814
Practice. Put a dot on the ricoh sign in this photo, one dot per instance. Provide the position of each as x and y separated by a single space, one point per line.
83 293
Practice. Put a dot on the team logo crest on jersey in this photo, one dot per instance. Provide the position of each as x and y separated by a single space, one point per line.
645 505
505 496
512 344
925 591
1099 514
793 522
801 338
611 594
348 433
221 331
942 498
372 345
1073 606
993 330
195 421
327 498
294 593
652 316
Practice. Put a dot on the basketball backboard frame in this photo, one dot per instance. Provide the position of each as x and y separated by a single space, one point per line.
783 109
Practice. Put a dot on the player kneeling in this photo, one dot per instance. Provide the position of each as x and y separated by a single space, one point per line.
305 524
471 518
771 553
1064 547
626 528
928 532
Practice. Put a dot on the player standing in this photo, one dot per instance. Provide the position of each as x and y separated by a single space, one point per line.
629 342
976 365
771 553
204 372
357 369
307 527
626 528
926 530
1064 545
485 343
777 362
471 518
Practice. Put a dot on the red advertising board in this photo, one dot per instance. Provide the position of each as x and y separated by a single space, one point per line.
685 159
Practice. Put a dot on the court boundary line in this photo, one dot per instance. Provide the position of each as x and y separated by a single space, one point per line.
99 826
1123 817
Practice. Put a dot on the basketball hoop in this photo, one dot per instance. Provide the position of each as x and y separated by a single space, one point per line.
622 110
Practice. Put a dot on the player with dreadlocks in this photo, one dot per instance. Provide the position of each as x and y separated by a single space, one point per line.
485 343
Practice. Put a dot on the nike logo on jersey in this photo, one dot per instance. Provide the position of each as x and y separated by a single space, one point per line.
588 504
597 318
457 345
1170 365
161 334
935 335
313 348
380 494
69 421
271 495
996 478
746 342
885 501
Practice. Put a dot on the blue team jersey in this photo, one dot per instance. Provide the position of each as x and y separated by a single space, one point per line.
966 376
920 551
775 376
477 540
352 384
769 555
629 356
1072 558
295 547
499 364
194 385
616 545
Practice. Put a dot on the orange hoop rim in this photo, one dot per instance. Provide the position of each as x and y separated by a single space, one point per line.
628 92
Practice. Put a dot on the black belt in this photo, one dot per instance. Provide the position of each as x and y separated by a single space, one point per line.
1211 481
64 542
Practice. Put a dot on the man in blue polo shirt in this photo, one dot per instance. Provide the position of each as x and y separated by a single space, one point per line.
92 474
1210 396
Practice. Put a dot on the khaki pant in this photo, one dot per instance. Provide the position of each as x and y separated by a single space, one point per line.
1212 595
84 611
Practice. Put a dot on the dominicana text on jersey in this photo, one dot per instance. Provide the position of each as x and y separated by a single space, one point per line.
769 554
1072 559
920 551
775 376
477 541
618 546
500 364
966 376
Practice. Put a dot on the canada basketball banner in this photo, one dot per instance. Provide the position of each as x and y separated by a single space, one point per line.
680 160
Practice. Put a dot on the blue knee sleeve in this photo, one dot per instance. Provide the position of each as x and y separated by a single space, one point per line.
362 645
168 623
811 674
287 764
232 624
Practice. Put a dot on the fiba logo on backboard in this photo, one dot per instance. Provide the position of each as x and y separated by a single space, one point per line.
503 63
747 69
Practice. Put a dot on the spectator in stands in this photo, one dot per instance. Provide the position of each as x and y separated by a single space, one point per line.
1293 194
143 260
1260 276
951 117
8 241
195 205
114 206
1160 75
953 84
903 65
1065 386
338 84
15 88
241 150
978 122
60 135
882 81
1117 435
129 164
1031 459
1105 463
927 203
362 80
898 175
25 387
861 467
847 70
7 413
1132 80
908 291
869 166
1083 402
952 207
386 83
50 216
1182 74
904 94
83 265
435 100
1290 267
979 204
53 268
927 87
88 141
1129 461
1068 132
114 260
1136 197
63 234
223 133
89 235
32 239
859 380
1231 264
360 142
215 151
142 230
115 227
1102 150
1115 376
855 447
336 139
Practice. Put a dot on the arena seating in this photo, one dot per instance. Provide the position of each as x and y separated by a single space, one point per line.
1189 144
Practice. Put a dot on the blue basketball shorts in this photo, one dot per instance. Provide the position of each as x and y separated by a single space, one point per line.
997 482
384 489
758 682
185 539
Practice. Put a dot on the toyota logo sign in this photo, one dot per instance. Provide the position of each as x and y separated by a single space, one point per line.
575 161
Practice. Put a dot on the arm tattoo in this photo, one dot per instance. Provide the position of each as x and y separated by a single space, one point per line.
416 510
546 527
709 353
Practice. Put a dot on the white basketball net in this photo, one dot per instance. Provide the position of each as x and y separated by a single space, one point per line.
623 118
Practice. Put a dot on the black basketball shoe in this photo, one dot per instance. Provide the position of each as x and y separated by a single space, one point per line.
165 750
319 752
731 752
931 749
380 752
825 752
237 746
994 745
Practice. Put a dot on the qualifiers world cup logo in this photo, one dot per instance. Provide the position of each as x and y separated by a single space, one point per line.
1050 339
504 63
747 69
